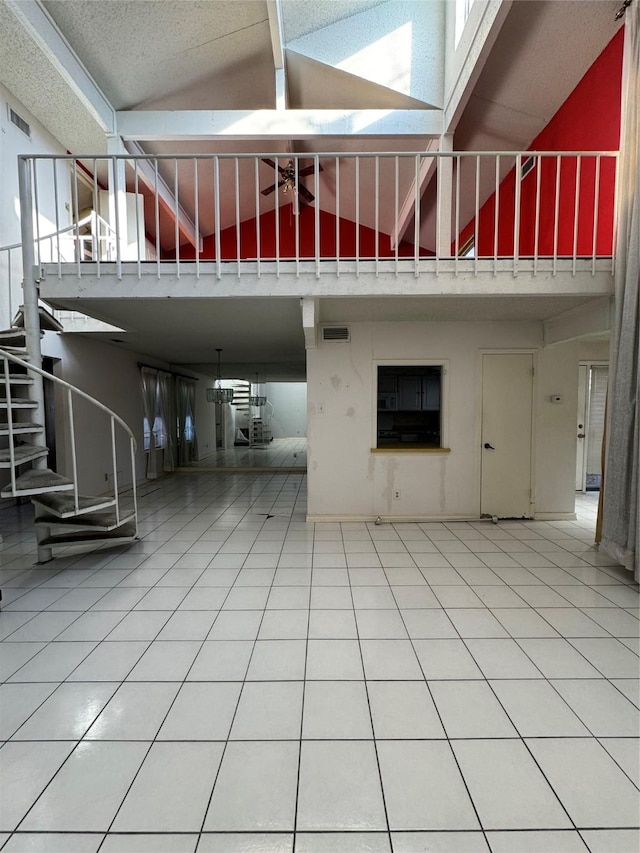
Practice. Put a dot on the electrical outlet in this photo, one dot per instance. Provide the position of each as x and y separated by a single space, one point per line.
396 494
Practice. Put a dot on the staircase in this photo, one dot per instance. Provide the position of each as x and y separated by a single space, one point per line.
63 516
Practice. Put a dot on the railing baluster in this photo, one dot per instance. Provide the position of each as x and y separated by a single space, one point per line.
536 237
316 186
116 204
337 217
556 216
596 209
516 214
357 217
216 201
97 224
12 450
36 204
476 220
77 223
257 184
236 183
157 218
575 214
56 202
416 220
457 238
196 199
377 215
74 449
176 215
496 217
395 206
114 458
141 248
296 218
614 235
277 209
134 482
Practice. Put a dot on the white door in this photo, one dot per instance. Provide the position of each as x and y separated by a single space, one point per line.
507 391
581 425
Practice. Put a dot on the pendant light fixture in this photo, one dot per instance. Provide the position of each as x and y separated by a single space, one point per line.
257 399
218 394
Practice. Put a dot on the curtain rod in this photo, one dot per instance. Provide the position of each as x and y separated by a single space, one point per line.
170 372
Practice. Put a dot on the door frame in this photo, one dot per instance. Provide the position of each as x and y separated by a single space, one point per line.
588 363
533 351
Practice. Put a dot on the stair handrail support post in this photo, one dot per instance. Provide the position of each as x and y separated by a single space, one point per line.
30 279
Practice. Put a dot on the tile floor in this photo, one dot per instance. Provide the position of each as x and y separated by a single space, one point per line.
284 453
240 680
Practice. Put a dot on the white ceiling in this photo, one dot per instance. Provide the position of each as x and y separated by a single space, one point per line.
217 54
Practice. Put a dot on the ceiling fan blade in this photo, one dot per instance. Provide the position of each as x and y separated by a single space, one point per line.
271 163
270 189
309 170
307 197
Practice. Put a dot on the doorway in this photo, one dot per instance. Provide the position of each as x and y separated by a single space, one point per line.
507 407
592 397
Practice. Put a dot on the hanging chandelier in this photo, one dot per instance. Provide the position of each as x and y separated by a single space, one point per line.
218 394
257 399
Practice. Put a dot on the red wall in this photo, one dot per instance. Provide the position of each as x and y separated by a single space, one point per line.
589 120
305 225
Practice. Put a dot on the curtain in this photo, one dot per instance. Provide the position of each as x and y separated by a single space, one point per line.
149 381
186 404
620 506
168 405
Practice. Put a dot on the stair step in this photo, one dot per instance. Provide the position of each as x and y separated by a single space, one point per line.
20 379
63 505
21 455
48 322
12 338
37 481
105 520
19 404
125 532
20 428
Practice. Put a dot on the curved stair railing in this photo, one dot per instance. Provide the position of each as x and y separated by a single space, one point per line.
75 518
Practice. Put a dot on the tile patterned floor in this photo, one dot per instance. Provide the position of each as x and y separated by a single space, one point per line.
240 680
286 453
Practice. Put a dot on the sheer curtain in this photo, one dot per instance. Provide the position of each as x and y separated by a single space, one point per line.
620 505
149 381
168 403
186 405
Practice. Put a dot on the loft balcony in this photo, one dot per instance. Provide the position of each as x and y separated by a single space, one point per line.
461 223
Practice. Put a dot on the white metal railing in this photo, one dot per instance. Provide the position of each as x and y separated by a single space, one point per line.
115 420
408 212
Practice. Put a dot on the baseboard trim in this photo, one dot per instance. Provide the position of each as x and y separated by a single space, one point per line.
399 519
555 516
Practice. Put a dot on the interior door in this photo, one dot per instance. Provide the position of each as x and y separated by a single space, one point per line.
581 425
507 395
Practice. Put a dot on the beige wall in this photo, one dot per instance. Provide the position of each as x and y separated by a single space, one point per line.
347 479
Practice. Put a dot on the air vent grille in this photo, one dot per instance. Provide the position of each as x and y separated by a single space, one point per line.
528 165
336 333
19 122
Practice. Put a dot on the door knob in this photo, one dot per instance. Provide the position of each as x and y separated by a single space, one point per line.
488 446
581 435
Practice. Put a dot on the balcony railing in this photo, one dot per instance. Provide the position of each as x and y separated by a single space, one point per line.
454 213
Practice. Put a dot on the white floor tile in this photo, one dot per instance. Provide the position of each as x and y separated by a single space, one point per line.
342 842
221 660
609 657
332 625
336 710
172 789
339 787
562 841
537 710
48 842
625 751
109 662
135 712
188 625
140 625
423 788
165 661
502 659
255 789
246 842
269 710
333 660
469 709
601 707
446 659
557 659
236 625
612 840
521 622
277 660
68 712
390 659
591 786
18 702
159 843
54 663
25 769
201 711
439 842
472 622
506 786
403 710
86 793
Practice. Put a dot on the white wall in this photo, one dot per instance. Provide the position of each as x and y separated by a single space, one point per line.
111 375
289 401
14 142
347 479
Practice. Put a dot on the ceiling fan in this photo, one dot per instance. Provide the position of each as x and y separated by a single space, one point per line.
287 180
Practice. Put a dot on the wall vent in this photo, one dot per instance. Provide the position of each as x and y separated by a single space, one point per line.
19 122
336 333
